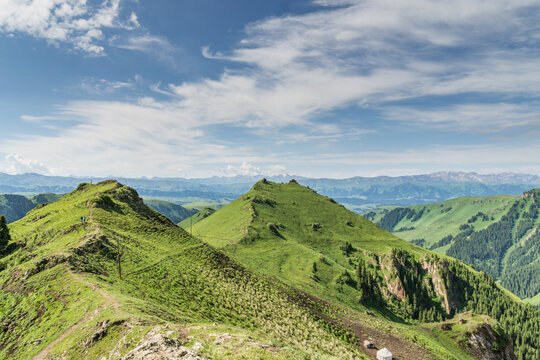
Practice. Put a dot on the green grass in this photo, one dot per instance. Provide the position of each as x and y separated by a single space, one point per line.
168 279
192 220
200 205
287 230
534 300
60 274
437 223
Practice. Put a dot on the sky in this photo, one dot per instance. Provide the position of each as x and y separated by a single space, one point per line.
320 88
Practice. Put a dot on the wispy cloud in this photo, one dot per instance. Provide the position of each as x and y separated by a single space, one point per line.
103 86
476 118
291 71
76 22
156 46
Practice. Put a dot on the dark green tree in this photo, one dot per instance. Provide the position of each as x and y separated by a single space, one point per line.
4 233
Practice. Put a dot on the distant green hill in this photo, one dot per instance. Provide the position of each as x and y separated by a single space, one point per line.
192 220
14 207
311 242
173 211
497 234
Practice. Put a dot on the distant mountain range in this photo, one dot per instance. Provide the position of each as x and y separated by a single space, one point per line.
359 194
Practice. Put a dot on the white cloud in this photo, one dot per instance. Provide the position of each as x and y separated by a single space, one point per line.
156 46
301 68
104 86
247 169
18 164
64 21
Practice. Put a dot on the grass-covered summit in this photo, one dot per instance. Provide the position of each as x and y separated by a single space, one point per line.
313 243
100 288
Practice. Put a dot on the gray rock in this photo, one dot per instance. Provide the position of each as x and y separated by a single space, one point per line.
161 347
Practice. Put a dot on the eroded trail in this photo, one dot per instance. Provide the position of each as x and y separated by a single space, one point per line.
108 300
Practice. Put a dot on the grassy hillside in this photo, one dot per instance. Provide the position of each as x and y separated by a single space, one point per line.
311 242
14 207
101 288
192 220
435 221
171 210
496 234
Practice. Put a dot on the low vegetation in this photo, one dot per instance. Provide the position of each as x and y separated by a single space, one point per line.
87 289
315 244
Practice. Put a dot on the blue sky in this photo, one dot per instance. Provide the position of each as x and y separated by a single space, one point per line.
332 88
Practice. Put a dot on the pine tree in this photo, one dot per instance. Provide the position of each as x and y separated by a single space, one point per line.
4 233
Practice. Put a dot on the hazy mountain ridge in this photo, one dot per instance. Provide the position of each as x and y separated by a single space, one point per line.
357 193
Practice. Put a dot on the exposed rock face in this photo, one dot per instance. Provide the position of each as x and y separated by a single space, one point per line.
159 347
391 266
436 269
486 344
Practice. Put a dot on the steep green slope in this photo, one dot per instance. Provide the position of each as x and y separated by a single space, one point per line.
497 234
192 220
15 207
171 210
435 221
98 289
315 244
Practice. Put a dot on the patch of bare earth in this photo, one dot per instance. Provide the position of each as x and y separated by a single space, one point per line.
401 349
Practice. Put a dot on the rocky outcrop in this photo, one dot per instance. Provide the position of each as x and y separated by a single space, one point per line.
47 262
158 347
487 344
391 269
436 269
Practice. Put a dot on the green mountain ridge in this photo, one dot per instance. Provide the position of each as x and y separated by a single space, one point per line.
311 242
129 282
109 286
497 234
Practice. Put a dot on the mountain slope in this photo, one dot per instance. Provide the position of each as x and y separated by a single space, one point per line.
315 244
171 210
15 207
192 220
128 275
498 234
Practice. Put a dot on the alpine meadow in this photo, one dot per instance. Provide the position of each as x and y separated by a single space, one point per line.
269 180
